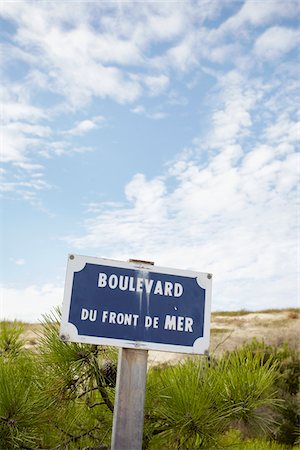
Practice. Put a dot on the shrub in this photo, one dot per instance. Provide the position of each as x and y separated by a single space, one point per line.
188 414
59 397
248 385
21 410
287 383
62 395
233 440
11 342
195 402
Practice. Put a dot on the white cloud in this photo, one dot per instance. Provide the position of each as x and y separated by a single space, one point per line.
27 134
21 126
18 261
261 13
25 180
101 50
257 159
139 109
283 131
236 99
29 167
154 115
221 53
276 41
110 46
157 115
30 303
156 84
182 56
91 66
226 207
86 125
166 27
237 222
25 187
13 110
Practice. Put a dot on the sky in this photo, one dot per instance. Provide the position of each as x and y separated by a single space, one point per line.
165 131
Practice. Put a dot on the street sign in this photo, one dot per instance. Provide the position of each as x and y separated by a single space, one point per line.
134 305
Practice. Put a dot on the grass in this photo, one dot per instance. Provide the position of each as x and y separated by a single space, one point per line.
220 330
293 315
236 322
244 312
278 311
273 323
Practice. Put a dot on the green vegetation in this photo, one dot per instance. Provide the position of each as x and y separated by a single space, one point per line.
61 396
275 311
242 312
220 330
245 312
11 342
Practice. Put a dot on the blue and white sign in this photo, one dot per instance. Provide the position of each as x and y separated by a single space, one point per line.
136 305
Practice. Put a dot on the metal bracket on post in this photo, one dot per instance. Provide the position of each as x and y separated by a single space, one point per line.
128 421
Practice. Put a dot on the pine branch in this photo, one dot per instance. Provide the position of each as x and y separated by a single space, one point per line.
96 404
100 386
73 438
65 432
8 420
87 392
5 419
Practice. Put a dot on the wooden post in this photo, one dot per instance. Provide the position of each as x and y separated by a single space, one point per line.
128 424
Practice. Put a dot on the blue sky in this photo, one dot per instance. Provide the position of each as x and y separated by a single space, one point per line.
165 131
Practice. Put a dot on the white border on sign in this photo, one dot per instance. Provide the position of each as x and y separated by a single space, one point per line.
69 333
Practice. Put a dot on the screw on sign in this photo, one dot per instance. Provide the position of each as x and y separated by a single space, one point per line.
138 307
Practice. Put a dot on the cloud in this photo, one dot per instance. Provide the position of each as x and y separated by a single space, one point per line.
121 52
87 125
13 110
225 206
17 137
235 222
276 42
156 115
284 130
21 127
27 138
28 304
21 177
156 83
235 100
183 56
72 57
18 261
260 13
221 53
94 60
114 51
25 188
23 133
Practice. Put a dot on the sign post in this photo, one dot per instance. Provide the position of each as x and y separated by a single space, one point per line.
128 423
138 307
